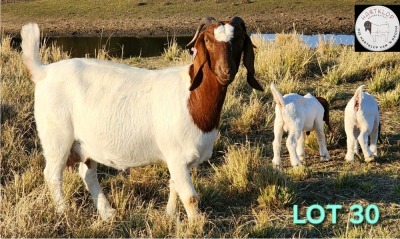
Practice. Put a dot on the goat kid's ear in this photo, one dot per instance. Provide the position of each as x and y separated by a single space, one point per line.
248 61
200 58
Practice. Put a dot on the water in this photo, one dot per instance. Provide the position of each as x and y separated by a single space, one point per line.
312 40
151 46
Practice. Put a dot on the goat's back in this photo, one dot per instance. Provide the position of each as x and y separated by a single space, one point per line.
305 110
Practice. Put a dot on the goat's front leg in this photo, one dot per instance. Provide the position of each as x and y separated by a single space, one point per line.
319 130
300 146
276 144
173 197
291 144
88 173
183 186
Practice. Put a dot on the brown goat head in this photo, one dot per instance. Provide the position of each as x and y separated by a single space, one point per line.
219 47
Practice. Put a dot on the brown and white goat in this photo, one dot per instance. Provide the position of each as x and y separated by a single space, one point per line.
124 116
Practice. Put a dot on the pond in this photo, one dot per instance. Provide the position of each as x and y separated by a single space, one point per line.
150 46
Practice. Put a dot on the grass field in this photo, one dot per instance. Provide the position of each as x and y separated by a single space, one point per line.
241 195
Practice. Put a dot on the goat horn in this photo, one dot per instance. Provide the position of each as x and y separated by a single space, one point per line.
204 21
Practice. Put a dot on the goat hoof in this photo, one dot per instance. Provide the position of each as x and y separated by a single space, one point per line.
108 214
349 159
297 165
369 159
170 211
276 166
324 158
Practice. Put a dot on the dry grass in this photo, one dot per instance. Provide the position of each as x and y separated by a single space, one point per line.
241 195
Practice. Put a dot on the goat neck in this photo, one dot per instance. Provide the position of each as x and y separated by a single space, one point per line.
205 103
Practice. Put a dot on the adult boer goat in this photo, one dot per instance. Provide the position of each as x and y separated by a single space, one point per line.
94 111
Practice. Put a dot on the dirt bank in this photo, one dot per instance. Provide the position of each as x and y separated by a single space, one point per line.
159 18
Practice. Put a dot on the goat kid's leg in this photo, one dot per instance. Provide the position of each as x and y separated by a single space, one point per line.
183 186
323 151
276 144
291 144
300 146
356 134
172 200
88 173
363 140
351 141
374 137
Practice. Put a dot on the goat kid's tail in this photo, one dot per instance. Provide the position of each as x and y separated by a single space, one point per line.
277 96
30 50
358 97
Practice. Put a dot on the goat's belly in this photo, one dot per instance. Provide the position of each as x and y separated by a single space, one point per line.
121 155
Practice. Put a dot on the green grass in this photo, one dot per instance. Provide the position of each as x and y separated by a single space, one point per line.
241 194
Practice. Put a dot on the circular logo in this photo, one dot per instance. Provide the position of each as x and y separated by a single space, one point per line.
377 28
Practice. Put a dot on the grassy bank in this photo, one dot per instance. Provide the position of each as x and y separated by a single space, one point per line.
241 195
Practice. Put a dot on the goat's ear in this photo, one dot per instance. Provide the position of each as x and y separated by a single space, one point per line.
200 58
248 61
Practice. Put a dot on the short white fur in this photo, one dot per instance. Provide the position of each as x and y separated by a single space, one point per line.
360 122
296 114
224 32
117 115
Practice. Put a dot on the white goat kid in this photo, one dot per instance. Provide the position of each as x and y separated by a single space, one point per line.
361 119
296 114
91 111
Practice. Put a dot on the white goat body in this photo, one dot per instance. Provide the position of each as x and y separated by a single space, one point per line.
93 111
119 116
361 119
296 114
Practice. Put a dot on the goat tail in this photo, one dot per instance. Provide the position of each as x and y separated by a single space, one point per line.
277 96
358 97
30 50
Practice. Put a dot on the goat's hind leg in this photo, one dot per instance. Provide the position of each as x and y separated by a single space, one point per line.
363 140
276 144
88 173
291 144
300 146
56 144
374 137
323 151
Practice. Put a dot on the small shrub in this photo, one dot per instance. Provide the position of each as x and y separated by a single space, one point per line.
173 51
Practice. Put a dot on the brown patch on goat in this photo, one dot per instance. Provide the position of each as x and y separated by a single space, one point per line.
325 104
205 103
214 68
73 158
356 105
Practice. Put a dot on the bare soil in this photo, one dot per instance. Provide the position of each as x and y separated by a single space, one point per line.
175 17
